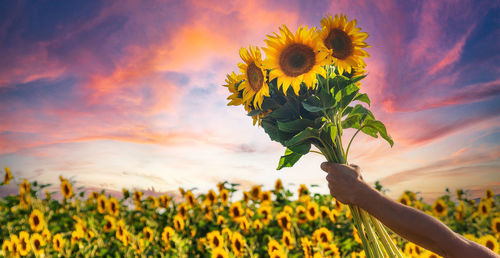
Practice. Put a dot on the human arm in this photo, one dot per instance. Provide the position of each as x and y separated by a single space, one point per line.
345 184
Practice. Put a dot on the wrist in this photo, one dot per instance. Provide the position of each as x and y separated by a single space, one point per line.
365 195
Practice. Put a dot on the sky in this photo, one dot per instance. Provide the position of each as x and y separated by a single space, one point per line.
115 94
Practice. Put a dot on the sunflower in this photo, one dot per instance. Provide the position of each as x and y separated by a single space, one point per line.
110 223
429 254
36 220
265 212
288 209
191 200
48 196
102 204
489 194
324 212
312 211
148 234
89 234
120 229
331 250
224 196
322 236
356 236
215 239
153 201
459 211
408 250
37 243
24 243
287 239
24 187
182 210
277 254
235 211
7 177
126 193
306 247
484 208
138 246
439 207
278 185
490 242
272 246
6 246
303 190
212 197
167 234
238 244
301 214
137 196
418 205
495 225
265 196
244 225
305 199
219 253
58 242
220 220
164 201
14 245
405 200
284 220
66 188
257 225
334 214
227 233
255 192
294 59
178 223
246 196
254 84
345 42
114 206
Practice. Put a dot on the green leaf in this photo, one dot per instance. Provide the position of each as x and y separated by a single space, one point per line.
361 111
313 104
289 159
357 78
380 127
302 149
271 129
295 126
331 130
347 111
363 98
348 94
306 134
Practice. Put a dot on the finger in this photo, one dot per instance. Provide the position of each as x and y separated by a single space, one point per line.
328 166
354 166
329 178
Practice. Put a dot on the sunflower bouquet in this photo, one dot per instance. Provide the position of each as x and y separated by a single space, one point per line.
305 93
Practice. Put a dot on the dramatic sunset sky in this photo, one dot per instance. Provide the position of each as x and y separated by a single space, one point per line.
114 94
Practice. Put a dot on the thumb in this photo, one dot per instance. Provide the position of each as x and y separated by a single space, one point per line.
327 166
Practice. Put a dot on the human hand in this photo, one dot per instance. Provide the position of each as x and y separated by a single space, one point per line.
344 181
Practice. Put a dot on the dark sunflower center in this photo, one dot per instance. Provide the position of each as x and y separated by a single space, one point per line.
113 207
439 208
265 214
108 225
297 59
148 235
484 209
220 256
255 77
58 244
287 241
324 214
312 212
66 189
36 220
216 241
340 43
37 244
24 244
237 244
236 212
490 244
284 221
497 226
417 250
324 238
403 201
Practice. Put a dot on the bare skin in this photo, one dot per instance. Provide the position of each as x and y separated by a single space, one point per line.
347 185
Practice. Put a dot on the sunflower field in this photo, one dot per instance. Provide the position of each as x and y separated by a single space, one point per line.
262 223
